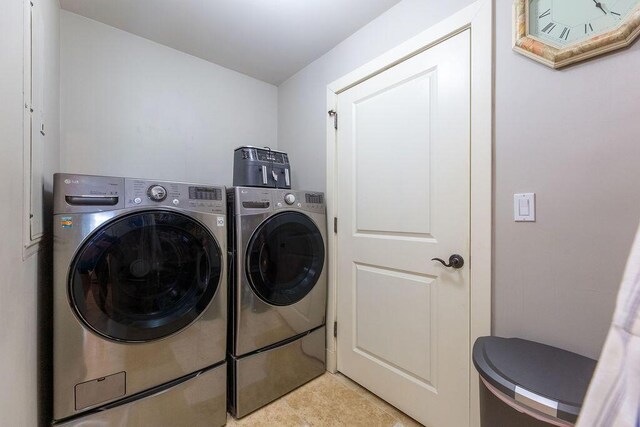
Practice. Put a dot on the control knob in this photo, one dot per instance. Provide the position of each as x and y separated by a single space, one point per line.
157 193
290 199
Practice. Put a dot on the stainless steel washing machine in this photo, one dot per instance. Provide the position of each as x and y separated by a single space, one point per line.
140 302
278 293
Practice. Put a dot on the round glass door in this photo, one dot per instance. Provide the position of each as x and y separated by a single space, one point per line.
145 276
285 257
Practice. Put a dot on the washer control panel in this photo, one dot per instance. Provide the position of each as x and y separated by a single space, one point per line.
201 198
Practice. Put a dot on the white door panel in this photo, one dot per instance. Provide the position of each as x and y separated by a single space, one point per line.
403 198
386 335
378 147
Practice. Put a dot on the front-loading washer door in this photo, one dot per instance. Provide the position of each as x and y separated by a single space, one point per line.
285 258
145 276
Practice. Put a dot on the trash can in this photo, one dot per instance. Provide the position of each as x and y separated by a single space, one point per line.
528 384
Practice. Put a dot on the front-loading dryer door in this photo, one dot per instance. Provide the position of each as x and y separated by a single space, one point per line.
285 258
145 276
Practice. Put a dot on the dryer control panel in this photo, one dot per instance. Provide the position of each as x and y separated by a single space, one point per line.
248 200
304 200
200 198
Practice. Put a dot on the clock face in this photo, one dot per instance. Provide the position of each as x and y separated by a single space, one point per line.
565 22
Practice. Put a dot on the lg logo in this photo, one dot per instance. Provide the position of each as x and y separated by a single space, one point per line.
71 181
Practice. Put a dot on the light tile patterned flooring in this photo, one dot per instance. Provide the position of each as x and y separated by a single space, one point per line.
329 400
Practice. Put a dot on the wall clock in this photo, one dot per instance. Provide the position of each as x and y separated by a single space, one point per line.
561 32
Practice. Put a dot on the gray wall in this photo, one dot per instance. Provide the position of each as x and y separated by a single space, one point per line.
570 136
25 285
132 107
302 106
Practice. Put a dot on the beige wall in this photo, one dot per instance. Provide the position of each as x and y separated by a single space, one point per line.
132 107
570 136
24 284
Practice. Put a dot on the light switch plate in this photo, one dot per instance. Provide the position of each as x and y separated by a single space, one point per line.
524 207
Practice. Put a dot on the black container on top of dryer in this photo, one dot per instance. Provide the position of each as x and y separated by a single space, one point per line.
261 167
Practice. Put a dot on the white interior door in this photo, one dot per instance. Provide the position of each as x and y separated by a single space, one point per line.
403 175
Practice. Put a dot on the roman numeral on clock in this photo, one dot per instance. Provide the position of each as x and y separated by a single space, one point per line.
547 13
587 28
550 26
565 33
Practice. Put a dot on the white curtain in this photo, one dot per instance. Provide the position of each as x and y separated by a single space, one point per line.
613 398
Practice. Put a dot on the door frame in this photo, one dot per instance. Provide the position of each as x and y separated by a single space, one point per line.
479 19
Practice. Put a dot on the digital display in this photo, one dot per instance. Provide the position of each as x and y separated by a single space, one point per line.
314 198
205 193
271 156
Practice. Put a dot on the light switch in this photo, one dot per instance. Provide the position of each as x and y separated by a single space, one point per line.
524 207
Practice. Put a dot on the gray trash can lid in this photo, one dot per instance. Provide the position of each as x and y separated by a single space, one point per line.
537 375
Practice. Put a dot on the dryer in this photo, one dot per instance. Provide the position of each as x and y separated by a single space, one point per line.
278 293
140 302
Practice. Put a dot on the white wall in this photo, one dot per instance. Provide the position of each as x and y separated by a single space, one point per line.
132 107
570 136
24 284
302 98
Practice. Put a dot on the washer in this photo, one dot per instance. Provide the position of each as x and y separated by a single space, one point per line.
278 293
140 302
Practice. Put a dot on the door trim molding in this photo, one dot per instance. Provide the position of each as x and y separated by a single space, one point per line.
479 18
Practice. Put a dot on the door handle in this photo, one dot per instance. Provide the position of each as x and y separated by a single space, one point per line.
455 261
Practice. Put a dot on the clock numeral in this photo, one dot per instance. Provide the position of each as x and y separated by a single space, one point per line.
550 26
547 13
565 33
587 28
615 13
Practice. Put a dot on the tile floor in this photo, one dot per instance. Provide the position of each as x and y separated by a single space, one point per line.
329 400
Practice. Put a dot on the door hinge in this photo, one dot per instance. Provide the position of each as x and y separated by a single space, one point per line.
334 114
335 224
335 329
